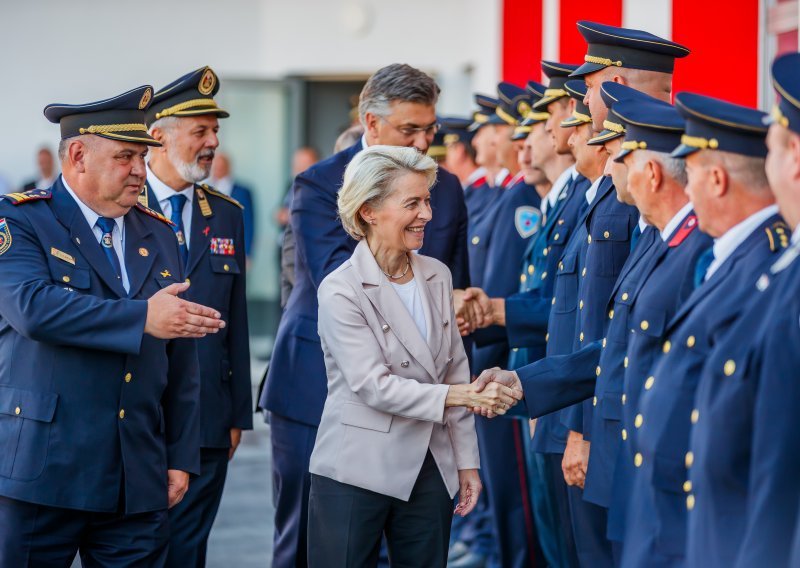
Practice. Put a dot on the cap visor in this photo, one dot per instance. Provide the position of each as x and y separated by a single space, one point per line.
620 158
207 110
135 137
570 122
586 68
683 150
542 103
603 137
494 119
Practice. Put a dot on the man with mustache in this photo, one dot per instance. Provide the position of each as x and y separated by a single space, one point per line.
209 228
99 417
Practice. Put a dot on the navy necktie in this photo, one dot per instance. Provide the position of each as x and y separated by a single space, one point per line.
107 243
637 232
700 269
177 202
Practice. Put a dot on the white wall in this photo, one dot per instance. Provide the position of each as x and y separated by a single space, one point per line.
83 50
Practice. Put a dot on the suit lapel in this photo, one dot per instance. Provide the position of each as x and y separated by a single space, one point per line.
140 252
201 235
69 214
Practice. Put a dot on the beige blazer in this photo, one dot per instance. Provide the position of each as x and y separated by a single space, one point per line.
386 384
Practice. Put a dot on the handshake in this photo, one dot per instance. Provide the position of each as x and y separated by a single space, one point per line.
492 394
475 310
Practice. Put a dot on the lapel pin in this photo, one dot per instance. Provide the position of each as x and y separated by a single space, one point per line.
143 252
206 230
165 273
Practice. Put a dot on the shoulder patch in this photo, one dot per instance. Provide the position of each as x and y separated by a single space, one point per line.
526 220
778 235
154 214
216 193
26 196
689 225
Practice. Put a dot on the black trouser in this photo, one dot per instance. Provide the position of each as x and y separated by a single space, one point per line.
345 523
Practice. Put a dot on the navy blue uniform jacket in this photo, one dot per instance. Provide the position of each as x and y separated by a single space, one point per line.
218 281
74 356
296 384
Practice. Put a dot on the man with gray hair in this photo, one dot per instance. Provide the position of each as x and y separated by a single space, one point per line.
397 107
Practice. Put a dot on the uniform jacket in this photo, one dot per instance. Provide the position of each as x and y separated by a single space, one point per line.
387 384
88 402
217 276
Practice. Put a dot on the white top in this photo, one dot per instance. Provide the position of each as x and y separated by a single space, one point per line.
591 193
409 294
730 241
670 227
117 233
558 188
163 192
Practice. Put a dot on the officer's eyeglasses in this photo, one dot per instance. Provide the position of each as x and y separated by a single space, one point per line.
410 131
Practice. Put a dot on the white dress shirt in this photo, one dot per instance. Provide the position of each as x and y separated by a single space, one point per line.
117 234
591 193
558 188
730 241
670 227
163 192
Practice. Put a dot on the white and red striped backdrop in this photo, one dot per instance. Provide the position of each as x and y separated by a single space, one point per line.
732 43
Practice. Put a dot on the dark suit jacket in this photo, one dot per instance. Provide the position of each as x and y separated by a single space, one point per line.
296 383
74 356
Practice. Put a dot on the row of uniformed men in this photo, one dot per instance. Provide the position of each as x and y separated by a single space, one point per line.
651 324
121 403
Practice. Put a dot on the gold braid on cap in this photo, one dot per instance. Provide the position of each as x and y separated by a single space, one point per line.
211 103
580 116
555 93
779 117
540 116
613 127
601 61
505 116
698 142
112 128
634 145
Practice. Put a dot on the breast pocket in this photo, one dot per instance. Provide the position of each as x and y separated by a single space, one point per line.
25 420
566 284
363 416
611 235
69 275
224 264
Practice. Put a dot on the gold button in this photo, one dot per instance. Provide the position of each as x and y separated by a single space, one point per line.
544 275
128 377
604 343
122 414
597 371
690 341
624 398
522 278
689 459
648 384
17 410
589 239
687 486
554 301
695 416
561 221
583 272
644 325
580 305
556 237
561 266
65 278
690 502
225 267
530 269
476 240
624 434
625 362
544 252
667 346
638 421
624 296
581 336
594 401
730 367
611 314
637 460
546 337
606 234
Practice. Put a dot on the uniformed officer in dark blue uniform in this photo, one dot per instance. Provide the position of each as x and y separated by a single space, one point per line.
484 141
497 244
724 147
744 441
296 383
209 227
100 408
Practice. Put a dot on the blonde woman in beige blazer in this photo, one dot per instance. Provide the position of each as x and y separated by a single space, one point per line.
397 438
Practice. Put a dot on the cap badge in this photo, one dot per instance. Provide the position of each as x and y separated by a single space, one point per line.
207 82
148 94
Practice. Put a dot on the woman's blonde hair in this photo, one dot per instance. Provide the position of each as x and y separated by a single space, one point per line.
368 180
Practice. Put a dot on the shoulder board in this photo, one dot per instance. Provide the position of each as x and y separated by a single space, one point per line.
778 235
216 193
689 225
154 214
30 195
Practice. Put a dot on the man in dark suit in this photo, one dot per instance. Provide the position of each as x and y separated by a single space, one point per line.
99 417
397 108
209 228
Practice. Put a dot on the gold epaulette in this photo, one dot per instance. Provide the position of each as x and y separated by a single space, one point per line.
221 195
154 214
778 235
26 196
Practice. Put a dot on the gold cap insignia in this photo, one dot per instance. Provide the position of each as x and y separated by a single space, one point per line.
207 82
524 109
148 94
144 252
